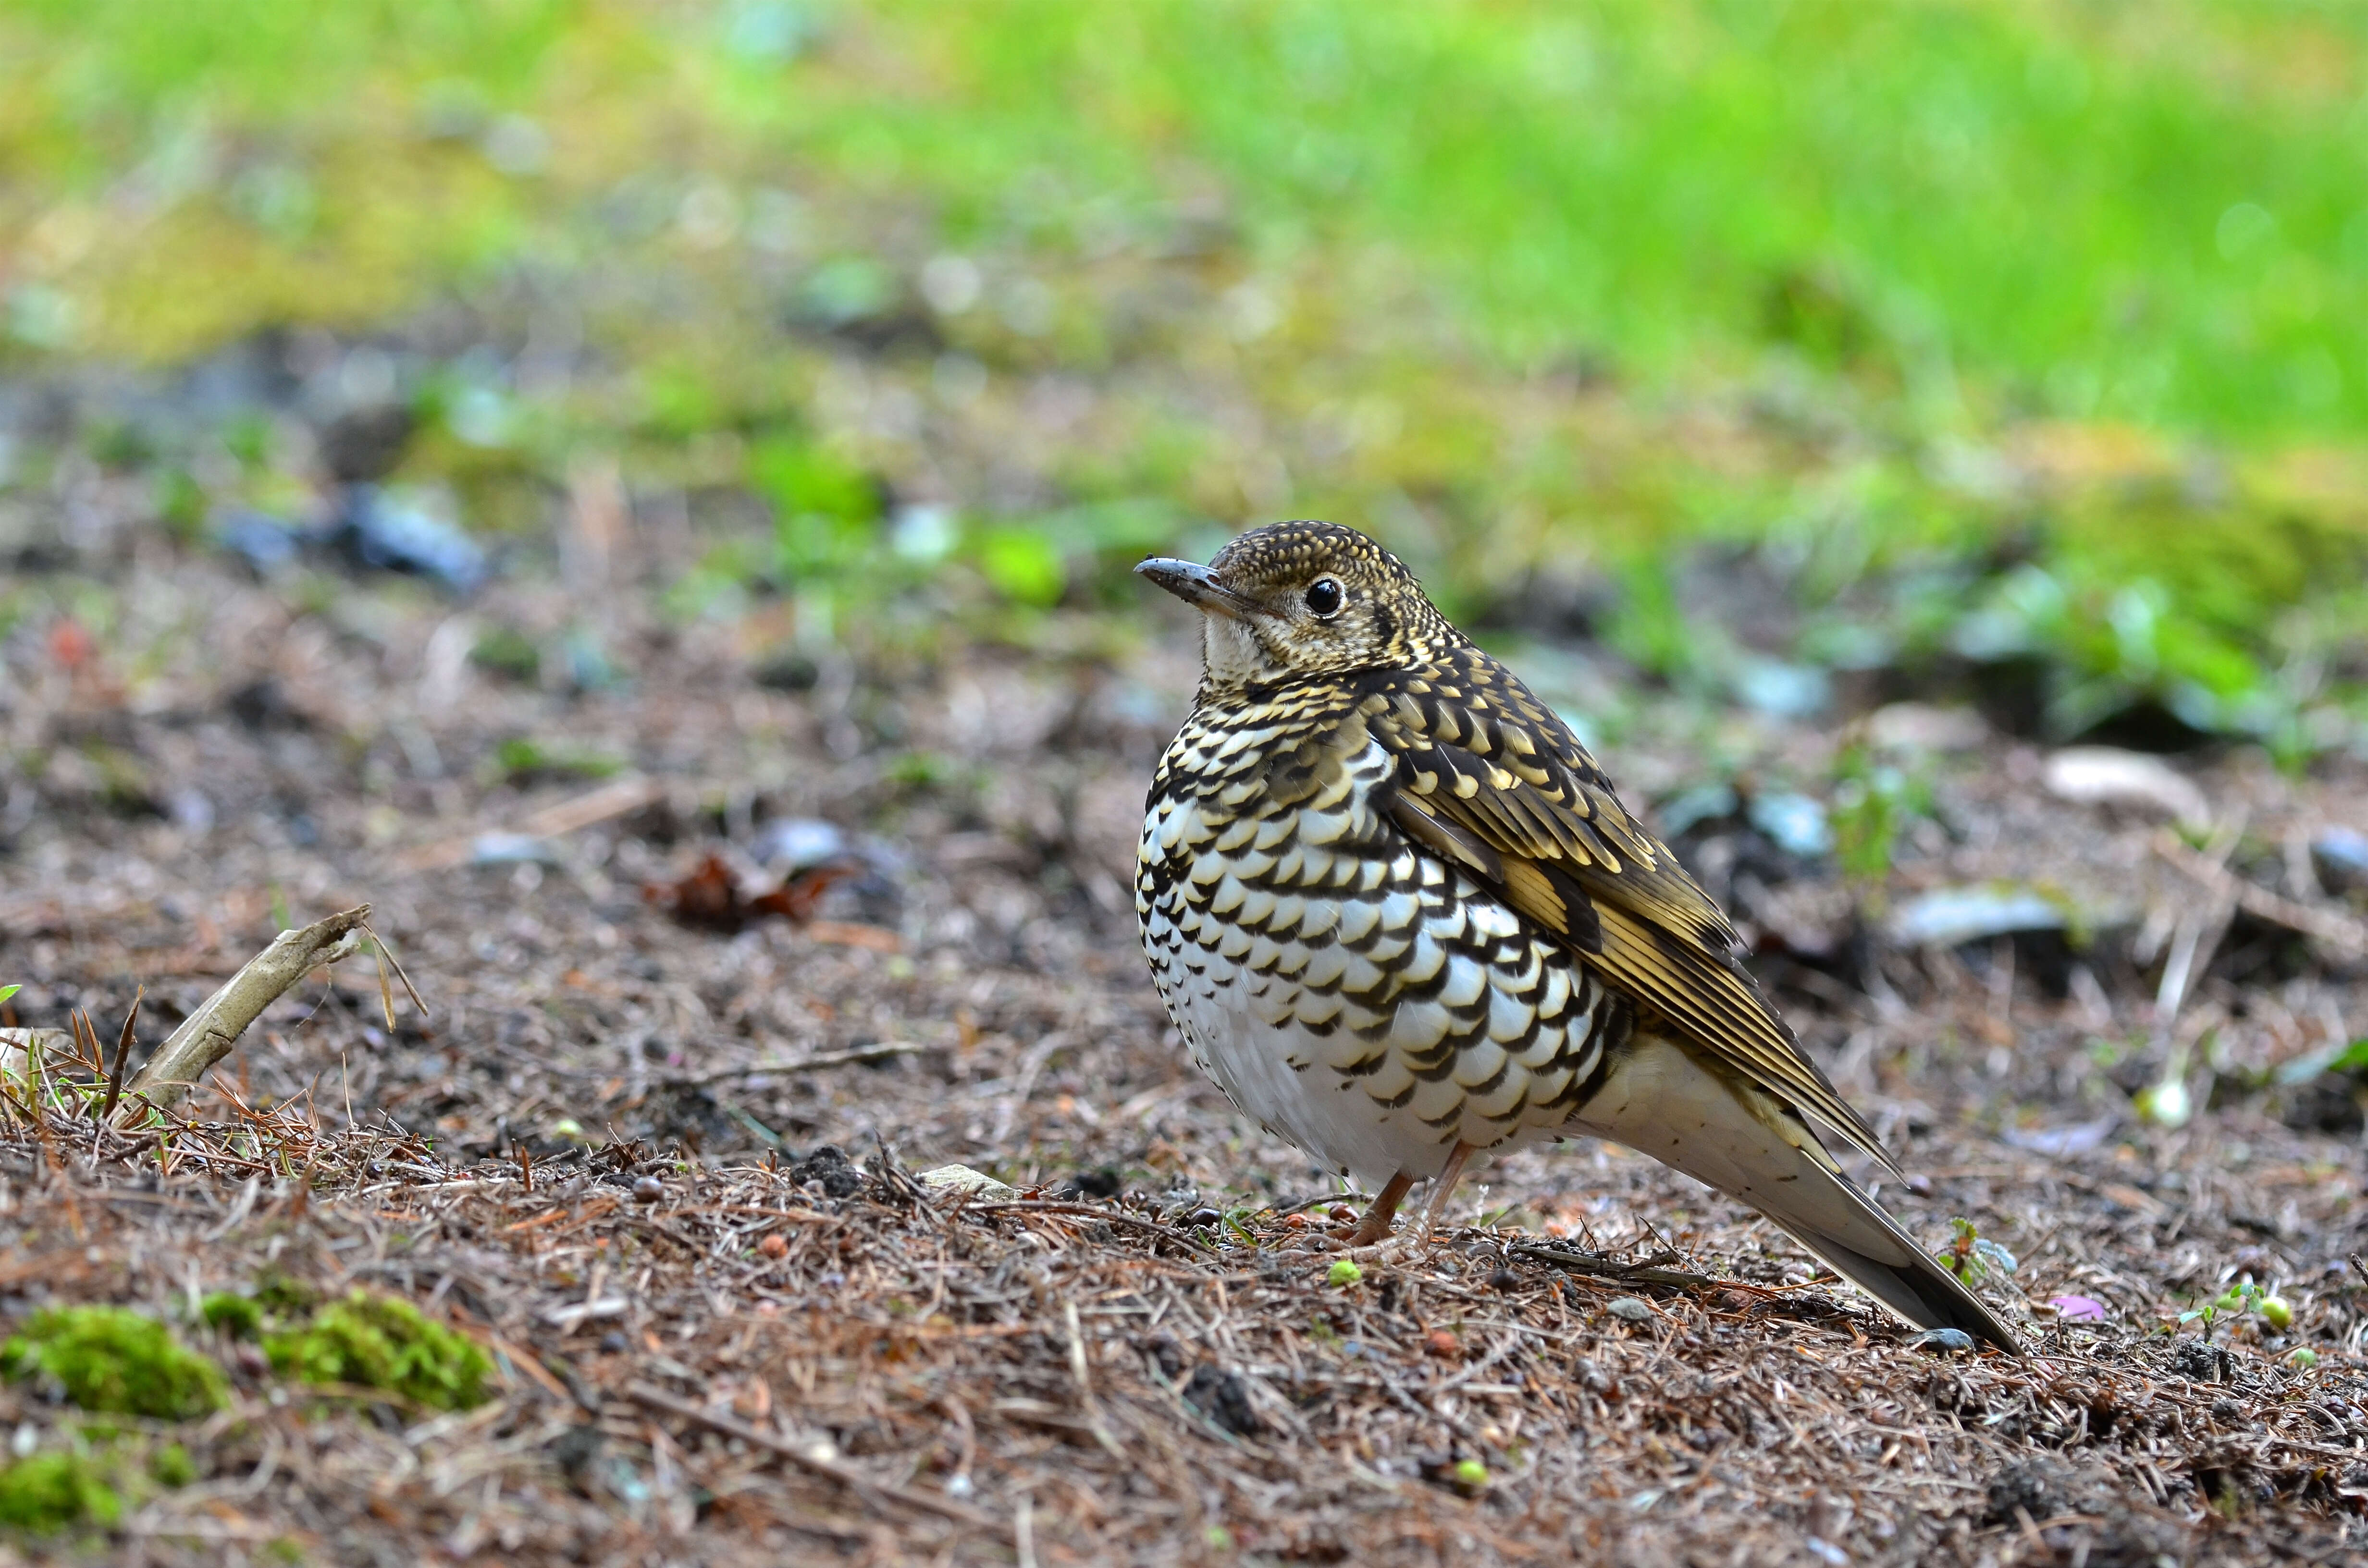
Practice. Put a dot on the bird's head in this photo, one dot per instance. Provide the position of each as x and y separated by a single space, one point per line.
1292 600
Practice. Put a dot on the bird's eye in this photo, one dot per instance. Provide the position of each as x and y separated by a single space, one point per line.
1324 597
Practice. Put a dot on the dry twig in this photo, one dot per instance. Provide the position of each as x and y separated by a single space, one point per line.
855 1481
208 1035
2345 935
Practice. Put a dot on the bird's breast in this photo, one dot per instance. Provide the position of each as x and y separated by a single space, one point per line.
1344 985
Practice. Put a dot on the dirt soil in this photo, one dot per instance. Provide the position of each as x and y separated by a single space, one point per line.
667 1173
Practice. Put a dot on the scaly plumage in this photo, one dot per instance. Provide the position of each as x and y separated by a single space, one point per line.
1400 915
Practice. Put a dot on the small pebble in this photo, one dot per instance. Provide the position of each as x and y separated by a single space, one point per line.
649 1189
1628 1309
1950 1341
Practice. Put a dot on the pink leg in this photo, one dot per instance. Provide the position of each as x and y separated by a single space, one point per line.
1444 1187
1383 1211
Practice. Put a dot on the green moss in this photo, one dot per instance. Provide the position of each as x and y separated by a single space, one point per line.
170 1466
378 1342
239 1316
506 651
521 761
112 1359
284 1294
52 1492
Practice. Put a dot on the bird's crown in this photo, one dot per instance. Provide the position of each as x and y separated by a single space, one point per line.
1297 600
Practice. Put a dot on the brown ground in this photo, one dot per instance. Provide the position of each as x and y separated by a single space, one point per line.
1116 1373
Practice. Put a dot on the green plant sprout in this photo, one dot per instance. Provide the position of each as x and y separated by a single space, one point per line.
2238 1302
1971 1256
522 760
1870 804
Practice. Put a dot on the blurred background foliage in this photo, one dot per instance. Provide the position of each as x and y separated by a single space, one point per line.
1799 355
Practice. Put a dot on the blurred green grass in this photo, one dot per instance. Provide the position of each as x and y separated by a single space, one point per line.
2148 212
2067 290
2152 213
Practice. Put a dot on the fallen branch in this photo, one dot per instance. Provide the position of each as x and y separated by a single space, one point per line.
1603 1268
862 1055
2344 935
874 1491
1086 1210
1080 1370
856 1056
208 1035
619 797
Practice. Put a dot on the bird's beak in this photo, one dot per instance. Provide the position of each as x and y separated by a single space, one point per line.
1197 586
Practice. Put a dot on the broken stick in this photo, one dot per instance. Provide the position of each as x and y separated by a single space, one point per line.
2345 935
805 1456
206 1035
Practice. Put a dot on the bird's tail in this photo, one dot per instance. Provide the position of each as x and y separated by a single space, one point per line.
1660 1099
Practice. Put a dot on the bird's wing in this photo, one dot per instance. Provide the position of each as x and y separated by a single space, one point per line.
1489 777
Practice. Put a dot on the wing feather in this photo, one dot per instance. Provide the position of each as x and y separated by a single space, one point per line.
1543 827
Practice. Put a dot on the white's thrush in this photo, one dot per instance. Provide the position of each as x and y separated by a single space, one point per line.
1400 917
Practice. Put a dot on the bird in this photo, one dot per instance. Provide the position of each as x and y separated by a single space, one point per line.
1401 918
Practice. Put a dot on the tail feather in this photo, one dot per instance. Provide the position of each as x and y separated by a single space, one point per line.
1660 1099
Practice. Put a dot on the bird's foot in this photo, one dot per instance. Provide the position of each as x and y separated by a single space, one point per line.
1414 1244
1382 1213
1313 1240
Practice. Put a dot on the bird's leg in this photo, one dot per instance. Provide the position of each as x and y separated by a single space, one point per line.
1382 1212
1444 1187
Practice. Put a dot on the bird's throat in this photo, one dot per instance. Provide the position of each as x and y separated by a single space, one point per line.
1231 657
